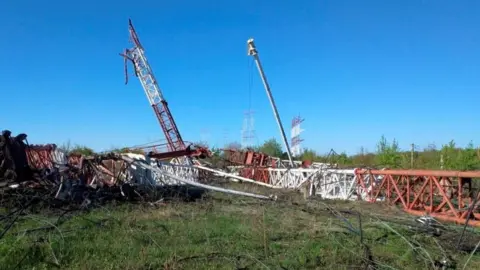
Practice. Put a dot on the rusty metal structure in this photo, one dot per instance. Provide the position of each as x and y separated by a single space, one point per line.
46 156
40 165
175 145
50 168
248 158
446 195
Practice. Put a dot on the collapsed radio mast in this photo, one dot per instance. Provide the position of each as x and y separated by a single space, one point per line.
175 144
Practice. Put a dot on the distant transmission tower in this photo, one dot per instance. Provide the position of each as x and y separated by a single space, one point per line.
295 136
248 130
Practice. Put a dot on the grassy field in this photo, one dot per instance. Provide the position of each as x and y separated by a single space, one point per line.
221 231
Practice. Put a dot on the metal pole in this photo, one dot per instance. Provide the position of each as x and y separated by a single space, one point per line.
412 150
253 52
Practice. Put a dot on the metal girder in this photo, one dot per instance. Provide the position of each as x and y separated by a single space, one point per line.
329 183
336 184
446 195
172 177
142 175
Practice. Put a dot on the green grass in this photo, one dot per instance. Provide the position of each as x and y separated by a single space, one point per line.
223 232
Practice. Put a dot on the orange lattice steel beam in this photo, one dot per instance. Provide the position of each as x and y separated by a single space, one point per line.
259 174
446 195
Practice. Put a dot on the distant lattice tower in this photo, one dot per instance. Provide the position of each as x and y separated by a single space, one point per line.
248 130
295 136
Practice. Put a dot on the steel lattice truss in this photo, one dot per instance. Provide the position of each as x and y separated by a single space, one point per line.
144 72
447 195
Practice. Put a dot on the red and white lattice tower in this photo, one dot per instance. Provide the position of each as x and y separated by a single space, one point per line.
143 71
295 136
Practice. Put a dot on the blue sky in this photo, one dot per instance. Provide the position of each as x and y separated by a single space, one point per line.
353 69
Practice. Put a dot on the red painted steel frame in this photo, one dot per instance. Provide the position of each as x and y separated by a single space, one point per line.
248 158
256 164
256 173
40 156
446 195
165 118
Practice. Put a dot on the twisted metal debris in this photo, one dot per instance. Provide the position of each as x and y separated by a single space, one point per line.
69 176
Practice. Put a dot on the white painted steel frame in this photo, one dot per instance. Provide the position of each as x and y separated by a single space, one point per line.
329 183
368 182
142 175
175 178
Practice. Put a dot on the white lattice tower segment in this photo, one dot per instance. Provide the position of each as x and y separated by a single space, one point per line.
329 183
147 79
336 184
141 176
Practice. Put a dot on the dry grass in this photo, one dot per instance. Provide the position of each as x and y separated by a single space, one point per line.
229 232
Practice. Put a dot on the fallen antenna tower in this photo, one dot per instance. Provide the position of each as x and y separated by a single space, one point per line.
175 144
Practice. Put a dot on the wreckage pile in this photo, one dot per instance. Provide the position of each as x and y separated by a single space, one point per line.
42 171
61 178
46 172
44 179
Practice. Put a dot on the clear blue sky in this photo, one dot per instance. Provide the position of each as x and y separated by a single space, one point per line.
354 69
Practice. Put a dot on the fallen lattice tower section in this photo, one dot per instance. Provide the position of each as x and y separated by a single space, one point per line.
446 195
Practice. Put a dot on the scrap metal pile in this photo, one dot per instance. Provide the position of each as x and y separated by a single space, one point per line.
48 170
22 164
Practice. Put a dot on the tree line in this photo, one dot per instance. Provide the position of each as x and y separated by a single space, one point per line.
387 155
84 150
